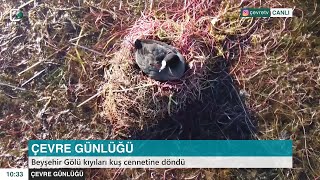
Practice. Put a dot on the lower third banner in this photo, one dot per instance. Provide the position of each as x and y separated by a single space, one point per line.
160 154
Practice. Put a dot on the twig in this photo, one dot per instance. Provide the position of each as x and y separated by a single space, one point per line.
118 172
39 62
32 66
36 75
43 110
25 4
134 88
165 172
13 87
122 90
91 50
92 97
76 38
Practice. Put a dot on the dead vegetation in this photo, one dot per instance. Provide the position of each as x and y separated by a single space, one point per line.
66 72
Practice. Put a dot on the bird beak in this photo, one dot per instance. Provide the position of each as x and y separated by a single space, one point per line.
163 65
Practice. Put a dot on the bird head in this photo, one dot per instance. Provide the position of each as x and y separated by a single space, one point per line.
138 44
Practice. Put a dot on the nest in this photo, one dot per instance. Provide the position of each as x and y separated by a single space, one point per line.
132 100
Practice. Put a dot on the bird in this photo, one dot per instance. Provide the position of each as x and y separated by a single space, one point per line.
159 60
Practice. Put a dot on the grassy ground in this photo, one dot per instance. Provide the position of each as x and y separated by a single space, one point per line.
250 79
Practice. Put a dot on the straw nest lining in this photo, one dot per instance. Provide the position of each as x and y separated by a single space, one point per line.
132 100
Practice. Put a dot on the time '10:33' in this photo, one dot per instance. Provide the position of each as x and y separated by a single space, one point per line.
14 174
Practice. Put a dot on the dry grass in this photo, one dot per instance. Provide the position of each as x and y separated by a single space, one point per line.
66 52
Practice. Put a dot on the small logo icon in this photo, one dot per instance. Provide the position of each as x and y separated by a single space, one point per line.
16 15
245 12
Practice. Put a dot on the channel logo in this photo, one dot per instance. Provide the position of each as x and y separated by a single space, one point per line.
266 12
16 15
245 12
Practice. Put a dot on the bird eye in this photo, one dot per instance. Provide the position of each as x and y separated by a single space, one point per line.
138 44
